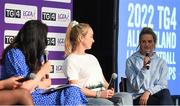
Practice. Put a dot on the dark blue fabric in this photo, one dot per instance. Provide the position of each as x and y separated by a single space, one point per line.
15 65
67 96
162 97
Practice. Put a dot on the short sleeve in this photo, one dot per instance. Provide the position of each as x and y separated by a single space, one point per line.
15 63
71 69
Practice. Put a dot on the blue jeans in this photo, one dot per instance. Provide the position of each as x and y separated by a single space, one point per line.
99 101
119 99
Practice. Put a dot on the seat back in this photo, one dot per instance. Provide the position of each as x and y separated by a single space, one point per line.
122 85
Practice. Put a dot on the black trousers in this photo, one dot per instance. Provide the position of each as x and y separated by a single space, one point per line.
162 97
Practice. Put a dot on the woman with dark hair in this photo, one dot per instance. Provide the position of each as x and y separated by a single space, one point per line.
24 57
147 73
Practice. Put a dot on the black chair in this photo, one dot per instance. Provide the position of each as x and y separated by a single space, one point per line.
127 99
122 85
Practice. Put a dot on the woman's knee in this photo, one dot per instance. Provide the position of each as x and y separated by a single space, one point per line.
25 93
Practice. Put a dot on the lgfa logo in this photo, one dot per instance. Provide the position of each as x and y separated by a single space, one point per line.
60 41
63 16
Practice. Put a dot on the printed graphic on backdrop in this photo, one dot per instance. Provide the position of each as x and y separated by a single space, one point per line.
65 1
55 41
19 14
55 13
57 68
56 16
162 17
9 36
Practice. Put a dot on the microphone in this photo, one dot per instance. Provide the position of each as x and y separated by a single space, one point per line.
31 76
46 53
148 63
112 80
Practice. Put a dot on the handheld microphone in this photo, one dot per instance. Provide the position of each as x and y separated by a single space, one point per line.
29 77
112 80
46 53
148 63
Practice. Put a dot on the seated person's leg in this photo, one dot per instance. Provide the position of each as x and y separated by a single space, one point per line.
164 97
17 96
72 96
136 101
152 100
24 96
122 98
160 98
99 101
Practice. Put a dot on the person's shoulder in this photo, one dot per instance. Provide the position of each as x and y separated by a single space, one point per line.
15 54
15 51
77 57
91 56
157 58
71 57
134 55
160 58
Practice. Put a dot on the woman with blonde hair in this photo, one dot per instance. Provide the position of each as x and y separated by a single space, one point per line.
82 68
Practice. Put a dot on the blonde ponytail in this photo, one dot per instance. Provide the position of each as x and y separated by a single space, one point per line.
74 31
68 46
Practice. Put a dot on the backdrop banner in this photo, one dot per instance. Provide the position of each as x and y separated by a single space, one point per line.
55 13
162 17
